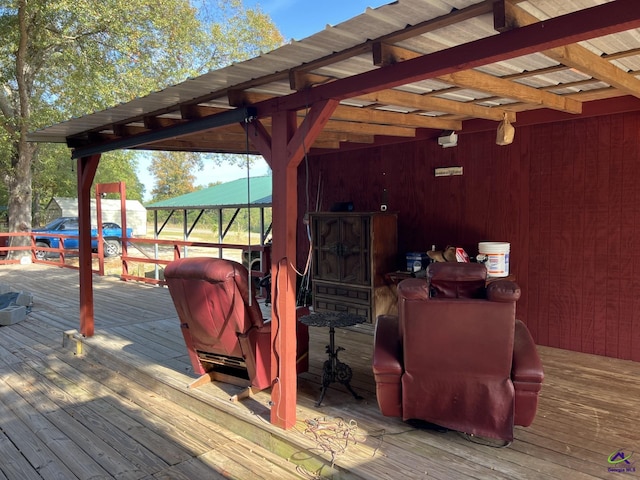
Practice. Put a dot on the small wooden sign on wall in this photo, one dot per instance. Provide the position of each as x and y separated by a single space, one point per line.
447 171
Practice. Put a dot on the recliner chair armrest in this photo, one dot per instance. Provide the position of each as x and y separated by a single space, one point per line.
527 366
503 291
387 348
387 365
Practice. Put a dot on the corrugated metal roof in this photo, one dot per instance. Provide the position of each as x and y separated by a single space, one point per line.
226 195
412 27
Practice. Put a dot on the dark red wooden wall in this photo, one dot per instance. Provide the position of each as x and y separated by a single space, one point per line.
566 196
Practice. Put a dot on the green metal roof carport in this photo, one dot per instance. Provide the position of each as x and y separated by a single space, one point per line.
254 192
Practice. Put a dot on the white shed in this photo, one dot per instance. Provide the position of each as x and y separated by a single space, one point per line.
68 207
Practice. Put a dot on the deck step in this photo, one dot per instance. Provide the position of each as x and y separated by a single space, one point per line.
140 432
268 441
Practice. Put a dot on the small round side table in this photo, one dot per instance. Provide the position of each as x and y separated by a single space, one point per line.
333 369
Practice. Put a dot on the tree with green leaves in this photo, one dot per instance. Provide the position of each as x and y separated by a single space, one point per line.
237 34
175 173
66 58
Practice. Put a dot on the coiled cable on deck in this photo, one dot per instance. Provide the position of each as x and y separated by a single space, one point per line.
332 435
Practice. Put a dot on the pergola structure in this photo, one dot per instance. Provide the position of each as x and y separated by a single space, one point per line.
252 193
413 68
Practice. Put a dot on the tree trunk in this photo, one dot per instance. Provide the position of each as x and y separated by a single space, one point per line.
20 198
19 179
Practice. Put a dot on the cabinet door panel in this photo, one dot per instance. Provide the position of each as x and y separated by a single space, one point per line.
351 253
326 239
354 262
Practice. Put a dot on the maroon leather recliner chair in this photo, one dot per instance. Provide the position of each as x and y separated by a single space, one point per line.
456 356
223 327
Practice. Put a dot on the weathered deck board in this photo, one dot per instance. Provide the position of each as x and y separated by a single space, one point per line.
60 421
123 410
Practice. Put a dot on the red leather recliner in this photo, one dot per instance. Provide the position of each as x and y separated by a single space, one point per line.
456 356
223 328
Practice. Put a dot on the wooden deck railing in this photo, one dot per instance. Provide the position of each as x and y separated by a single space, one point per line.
179 248
162 253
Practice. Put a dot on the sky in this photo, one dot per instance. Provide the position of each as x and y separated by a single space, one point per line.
296 19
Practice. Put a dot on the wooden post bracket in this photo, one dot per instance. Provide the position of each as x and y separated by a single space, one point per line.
76 337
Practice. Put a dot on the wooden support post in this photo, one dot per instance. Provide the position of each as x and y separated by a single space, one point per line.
284 152
87 167
120 189
283 328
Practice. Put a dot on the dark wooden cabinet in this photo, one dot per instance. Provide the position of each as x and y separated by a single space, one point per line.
351 254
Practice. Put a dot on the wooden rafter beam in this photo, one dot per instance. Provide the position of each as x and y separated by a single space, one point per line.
235 135
373 117
342 113
429 103
408 32
189 112
422 103
331 136
369 128
381 117
245 97
560 68
623 54
181 145
120 130
521 106
346 137
509 17
301 79
515 76
576 84
575 27
508 89
154 122
389 54
598 94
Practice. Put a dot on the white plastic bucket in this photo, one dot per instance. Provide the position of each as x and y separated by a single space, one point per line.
497 257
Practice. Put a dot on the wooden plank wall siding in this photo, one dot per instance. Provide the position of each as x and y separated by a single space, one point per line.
566 196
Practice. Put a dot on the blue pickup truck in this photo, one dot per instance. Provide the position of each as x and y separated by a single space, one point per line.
47 237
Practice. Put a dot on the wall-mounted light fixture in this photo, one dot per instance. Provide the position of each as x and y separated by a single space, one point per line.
448 139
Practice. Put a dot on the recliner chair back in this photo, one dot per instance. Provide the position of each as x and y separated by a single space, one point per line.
457 361
459 351
212 302
221 320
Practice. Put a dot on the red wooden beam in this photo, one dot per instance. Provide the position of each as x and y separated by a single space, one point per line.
285 149
313 123
87 167
283 319
582 25
260 138
593 108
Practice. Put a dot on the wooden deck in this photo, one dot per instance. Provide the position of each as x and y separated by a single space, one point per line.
121 409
